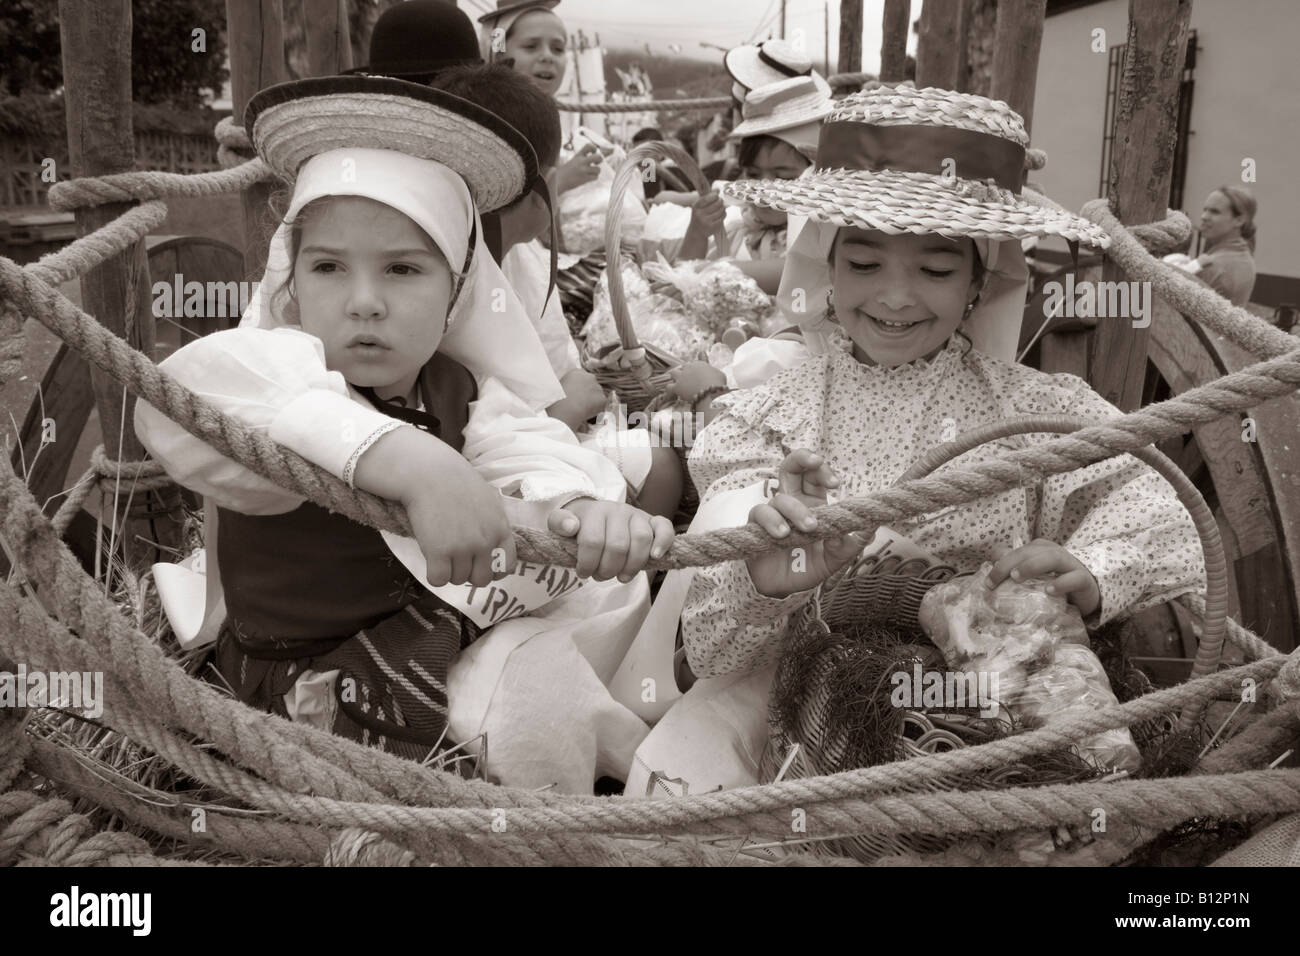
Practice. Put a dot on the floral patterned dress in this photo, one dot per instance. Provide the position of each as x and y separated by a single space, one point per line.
1118 517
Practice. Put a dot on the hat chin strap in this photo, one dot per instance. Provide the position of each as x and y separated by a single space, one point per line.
539 186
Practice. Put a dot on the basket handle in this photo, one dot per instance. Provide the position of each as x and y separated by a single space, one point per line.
628 171
1210 647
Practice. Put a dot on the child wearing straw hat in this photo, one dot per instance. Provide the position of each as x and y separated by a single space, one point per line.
391 352
778 141
910 285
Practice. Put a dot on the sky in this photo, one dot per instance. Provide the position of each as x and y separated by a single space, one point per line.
726 23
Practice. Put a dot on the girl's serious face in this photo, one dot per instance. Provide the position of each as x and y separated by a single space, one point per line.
374 289
537 43
920 285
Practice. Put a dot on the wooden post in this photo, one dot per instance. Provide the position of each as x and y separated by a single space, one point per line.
1017 40
941 46
328 48
850 52
96 44
1146 131
981 31
893 42
255 34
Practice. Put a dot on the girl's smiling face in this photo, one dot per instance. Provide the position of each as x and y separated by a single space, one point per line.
372 286
537 42
919 285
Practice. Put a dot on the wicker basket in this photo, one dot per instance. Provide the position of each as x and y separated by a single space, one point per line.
877 592
637 372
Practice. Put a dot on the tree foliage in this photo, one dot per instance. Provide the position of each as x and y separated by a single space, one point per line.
165 66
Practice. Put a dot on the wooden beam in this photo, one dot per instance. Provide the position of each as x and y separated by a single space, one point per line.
1017 39
1146 132
941 45
329 50
893 42
850 53
96 44
255 36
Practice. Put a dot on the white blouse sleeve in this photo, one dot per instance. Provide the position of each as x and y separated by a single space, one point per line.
533 457
275 382
527 267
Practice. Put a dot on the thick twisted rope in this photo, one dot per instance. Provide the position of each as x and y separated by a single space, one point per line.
106 474
382 817
128 708
696 103
288 470
620 816
1251 333
143 378
48 829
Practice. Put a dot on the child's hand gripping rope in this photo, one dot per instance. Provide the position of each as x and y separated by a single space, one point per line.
457 518
804 479
614 539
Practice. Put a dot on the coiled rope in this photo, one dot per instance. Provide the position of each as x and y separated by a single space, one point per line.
315 781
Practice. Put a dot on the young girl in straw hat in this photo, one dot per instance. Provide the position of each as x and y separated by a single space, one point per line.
391 352
910 284
778 141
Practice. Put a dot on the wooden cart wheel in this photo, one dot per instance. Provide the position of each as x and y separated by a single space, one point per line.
60 389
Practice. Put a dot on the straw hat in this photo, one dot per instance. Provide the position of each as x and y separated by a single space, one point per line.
755 65
418 38
291 122
901 160
786 104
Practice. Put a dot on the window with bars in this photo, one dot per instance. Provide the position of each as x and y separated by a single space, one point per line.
1114 73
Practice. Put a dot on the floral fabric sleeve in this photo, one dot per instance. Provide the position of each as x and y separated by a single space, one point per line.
727 626
1124 522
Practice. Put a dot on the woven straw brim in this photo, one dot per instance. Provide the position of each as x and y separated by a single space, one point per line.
897 202
288 134
762 125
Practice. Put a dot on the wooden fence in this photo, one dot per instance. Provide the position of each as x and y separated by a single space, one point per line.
22 159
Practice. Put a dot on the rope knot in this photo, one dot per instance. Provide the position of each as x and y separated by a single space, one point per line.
1286 685
357 847
233 145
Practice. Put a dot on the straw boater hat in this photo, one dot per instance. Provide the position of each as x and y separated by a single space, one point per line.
400 42
791 110
755 65
291 122
901 160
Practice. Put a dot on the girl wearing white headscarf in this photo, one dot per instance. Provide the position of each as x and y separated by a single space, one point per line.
334 623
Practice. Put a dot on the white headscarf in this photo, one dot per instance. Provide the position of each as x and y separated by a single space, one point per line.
488 330
993 328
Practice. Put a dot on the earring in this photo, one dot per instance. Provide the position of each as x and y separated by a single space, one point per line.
830 304
970 307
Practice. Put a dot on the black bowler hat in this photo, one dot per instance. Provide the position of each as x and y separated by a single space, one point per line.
420 38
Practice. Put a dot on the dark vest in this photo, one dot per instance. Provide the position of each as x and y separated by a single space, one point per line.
311 575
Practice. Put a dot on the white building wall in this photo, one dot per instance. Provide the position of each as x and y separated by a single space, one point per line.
1245 103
